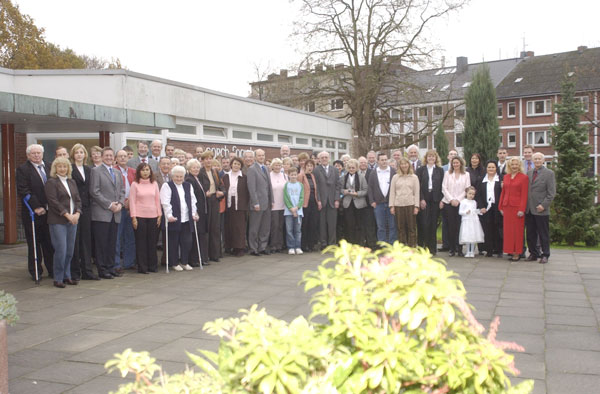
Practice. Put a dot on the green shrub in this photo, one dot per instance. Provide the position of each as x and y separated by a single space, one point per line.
8 308
396 322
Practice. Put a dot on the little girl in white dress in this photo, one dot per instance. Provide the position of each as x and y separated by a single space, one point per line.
471 231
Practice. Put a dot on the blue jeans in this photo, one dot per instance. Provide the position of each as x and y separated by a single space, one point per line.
125 241
386 224
293 231
63 240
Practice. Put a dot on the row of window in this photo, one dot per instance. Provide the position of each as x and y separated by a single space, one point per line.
539 107
334 105
221 132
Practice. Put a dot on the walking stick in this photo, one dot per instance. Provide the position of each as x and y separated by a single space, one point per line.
32 214
198 244
167 244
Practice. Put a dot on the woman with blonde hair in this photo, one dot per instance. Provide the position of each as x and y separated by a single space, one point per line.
81 265
404 202
455 182
431 177
64 209
95 155
513 202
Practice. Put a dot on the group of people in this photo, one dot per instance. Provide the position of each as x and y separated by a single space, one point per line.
116 212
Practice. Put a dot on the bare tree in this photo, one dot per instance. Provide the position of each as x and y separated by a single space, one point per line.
377 40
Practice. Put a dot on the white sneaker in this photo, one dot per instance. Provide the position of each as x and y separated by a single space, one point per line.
291 251
187 267
299 251
178 268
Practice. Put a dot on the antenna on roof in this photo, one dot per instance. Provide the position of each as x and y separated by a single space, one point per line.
524 44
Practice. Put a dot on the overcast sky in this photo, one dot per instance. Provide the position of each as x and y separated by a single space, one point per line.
217 44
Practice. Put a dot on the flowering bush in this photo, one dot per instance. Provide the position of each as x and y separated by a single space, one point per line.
396 322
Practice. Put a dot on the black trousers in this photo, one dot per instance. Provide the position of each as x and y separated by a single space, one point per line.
45 251
202 238
538 227
105 237
327 225
354 220
453 227
491 222
180 245
310 225
81 264
146 238
214 228
427 222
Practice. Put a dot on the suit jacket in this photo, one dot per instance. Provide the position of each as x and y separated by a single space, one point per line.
203 177
475 174
83 185
360 186
103 191
329 186
243 196
374 191
259 188
514 192
481 195
500 172
135 162
59 201
30 182
201 203
542 191
160 178
419 164
436 182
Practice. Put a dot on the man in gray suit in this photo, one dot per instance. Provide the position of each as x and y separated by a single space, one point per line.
329 187
143 157
261 199
107 196
542 189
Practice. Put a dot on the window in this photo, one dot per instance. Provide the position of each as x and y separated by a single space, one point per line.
459 113
264 137
423 112
310 107
185 129
458 142
511 139
500 110
539 107
317 142
395 114
423 143
538 138
210 131
438 110
408 114
330 144
336 104
301 141
284 138
342 145
245 135
584 101
512 110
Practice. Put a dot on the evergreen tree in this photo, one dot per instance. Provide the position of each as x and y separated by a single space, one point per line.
481 121
574 217
441 143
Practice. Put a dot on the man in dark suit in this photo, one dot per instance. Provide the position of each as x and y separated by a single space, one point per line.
107 200
379 196
370 226
413 157
430 177
542 189
329 189
31 178
261 199
501 167
143 157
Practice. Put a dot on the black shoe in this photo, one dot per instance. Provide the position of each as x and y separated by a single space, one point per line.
489 254
543 260
60 285
33 278
71 282
195 265
500 255
461 254
451 254
143 272
255 253
106 276
116 274
443 249
215 260
87 277
265 252
532 257
204 263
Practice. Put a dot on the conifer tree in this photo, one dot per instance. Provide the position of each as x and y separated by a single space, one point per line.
481 121
574 217
441 143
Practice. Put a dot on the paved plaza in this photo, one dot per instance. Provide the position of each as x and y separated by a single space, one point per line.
64 336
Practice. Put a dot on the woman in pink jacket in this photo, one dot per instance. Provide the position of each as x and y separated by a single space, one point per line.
144 207
456 180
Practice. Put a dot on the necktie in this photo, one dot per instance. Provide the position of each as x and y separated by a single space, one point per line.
327 170
144 160
264 170
112 174
534 176
43 173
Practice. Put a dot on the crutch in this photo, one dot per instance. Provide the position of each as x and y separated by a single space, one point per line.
198 244
35 256
166 244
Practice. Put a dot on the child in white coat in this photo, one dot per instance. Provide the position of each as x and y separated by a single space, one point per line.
471 231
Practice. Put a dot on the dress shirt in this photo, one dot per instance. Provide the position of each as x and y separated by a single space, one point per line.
125 180
491 198
430 172
326 168
81 171
41 171
63 180
528 166
384 180
111 171
165 199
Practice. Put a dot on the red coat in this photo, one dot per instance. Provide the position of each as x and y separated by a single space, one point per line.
514 192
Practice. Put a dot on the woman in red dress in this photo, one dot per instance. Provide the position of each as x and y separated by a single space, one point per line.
513 202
